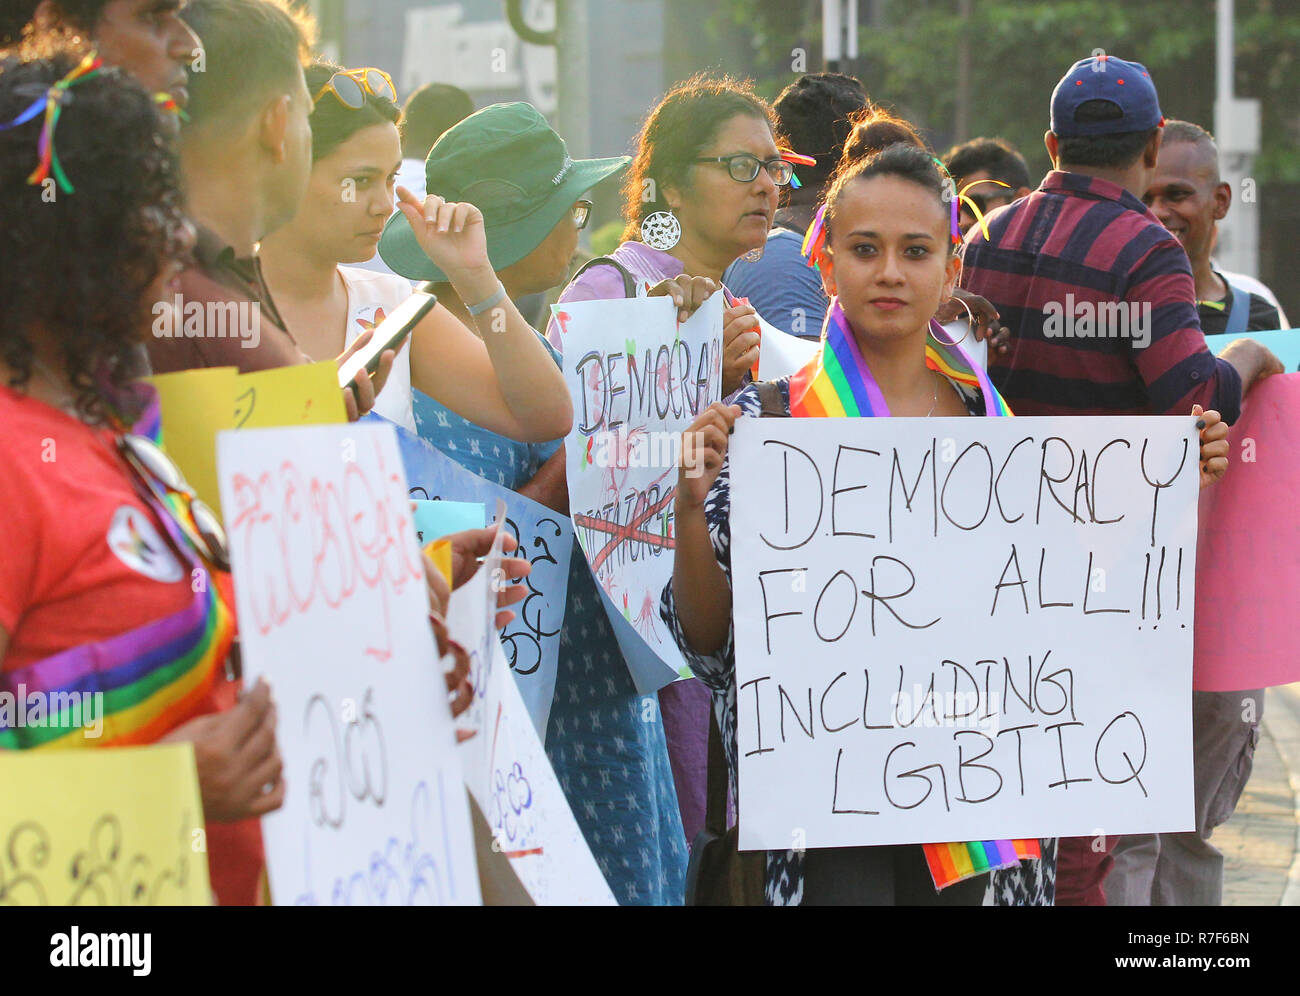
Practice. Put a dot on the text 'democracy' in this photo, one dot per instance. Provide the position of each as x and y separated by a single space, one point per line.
963 629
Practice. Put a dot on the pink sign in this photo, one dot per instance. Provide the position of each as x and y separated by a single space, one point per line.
1248 550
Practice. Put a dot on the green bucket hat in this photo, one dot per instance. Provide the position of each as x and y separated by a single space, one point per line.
510 164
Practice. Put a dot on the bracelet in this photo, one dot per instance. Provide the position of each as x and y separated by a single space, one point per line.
484 305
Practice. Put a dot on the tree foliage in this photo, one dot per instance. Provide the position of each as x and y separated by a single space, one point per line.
1018 49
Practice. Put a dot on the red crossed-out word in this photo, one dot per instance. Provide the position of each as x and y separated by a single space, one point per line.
631 531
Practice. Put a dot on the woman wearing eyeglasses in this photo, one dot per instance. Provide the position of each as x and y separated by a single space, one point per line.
605 741
701 192
113 581
506 382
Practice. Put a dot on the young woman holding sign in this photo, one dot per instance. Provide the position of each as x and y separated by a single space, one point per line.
889 260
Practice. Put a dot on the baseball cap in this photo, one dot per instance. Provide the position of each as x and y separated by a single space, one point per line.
510 164
1125 84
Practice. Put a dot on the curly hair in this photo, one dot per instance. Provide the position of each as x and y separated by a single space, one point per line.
816 114
78 264
995 156
676 132
333 122
73 23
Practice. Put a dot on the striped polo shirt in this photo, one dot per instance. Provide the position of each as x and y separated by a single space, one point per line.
1101 304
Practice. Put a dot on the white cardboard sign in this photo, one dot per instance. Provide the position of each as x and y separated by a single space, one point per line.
506 767
637 380
333 612
962 629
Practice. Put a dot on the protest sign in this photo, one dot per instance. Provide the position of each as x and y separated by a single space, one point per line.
306 394
637 380
1248 554
962 629
506 767
195 406
333 610
532 639
1284 343
119 827
198 404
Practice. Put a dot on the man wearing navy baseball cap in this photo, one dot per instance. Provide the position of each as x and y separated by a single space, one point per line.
1101 303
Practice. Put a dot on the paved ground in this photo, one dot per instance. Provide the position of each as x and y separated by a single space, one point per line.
1259 843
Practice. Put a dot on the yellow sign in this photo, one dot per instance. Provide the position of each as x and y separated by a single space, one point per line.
198 404
287 396
121 826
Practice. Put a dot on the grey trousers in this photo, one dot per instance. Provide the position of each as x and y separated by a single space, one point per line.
1185 869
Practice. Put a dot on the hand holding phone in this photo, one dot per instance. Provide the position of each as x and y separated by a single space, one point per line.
389 334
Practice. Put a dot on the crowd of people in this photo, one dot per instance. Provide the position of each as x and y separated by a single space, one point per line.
154 148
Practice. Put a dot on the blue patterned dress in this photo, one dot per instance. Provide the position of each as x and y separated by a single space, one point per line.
605 741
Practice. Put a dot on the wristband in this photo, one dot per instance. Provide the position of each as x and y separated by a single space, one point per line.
484 305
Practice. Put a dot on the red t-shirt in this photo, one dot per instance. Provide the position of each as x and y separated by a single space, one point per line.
84 560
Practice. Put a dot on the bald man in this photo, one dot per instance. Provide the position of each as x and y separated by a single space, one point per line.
1189 198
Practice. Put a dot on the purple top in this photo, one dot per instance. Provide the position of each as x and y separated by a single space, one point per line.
685 704
601 283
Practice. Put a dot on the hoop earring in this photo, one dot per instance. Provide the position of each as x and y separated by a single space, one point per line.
661 230
970 320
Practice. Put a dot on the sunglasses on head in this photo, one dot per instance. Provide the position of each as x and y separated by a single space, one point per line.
159 473
350 86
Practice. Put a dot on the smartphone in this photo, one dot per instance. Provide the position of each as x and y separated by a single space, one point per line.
389 334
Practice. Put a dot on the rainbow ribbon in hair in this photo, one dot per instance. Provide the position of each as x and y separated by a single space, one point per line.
791 156
814 240
52 104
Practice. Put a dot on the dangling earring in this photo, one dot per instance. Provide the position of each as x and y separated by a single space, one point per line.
661 230
754 255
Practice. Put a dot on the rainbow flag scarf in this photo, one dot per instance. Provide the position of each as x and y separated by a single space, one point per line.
836 383
149 679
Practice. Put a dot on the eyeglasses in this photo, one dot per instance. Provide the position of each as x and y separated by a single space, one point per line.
351 86
581 212
744 167
157 470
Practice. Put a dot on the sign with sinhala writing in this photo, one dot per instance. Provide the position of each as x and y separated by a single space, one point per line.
963 629
115 827
333 610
